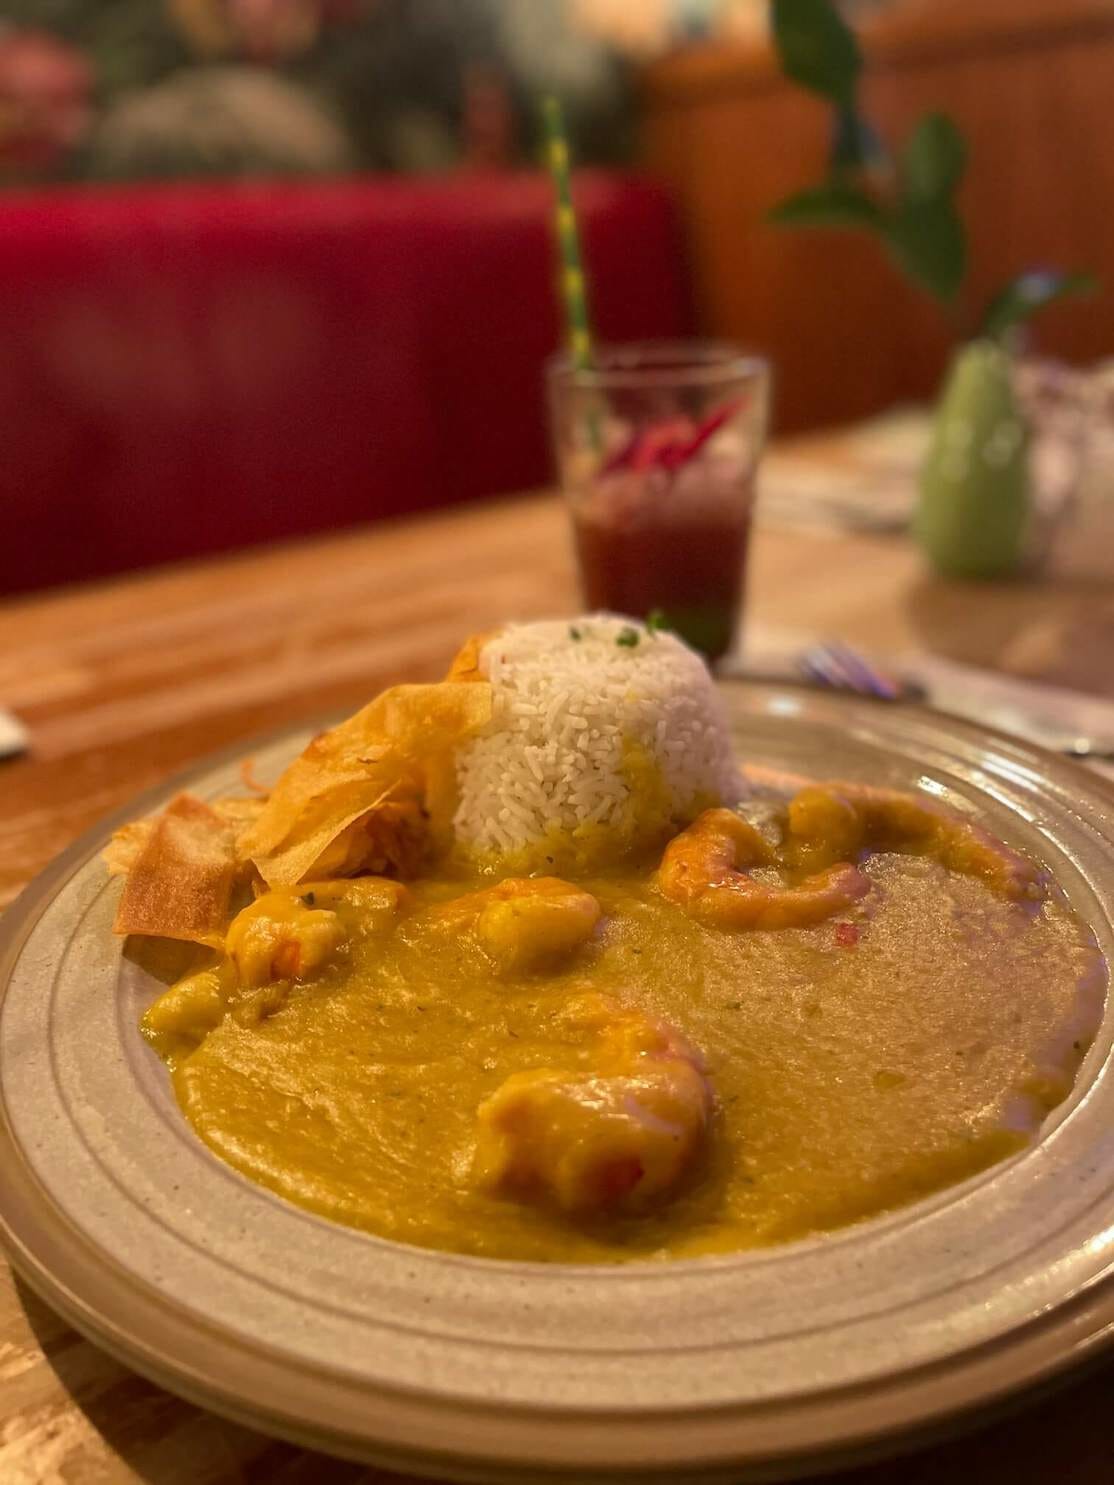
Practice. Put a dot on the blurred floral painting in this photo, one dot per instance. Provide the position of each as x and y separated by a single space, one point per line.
132 89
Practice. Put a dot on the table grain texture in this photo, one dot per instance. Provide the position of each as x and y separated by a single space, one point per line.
124 682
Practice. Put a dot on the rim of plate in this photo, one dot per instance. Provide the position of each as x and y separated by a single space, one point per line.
771 1361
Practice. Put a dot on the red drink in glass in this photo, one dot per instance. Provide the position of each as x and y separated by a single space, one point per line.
658 448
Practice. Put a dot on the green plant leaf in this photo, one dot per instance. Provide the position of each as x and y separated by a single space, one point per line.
1030 292
928 240
816 47
830 205
934 159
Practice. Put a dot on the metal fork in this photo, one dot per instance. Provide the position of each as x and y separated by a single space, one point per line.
840 668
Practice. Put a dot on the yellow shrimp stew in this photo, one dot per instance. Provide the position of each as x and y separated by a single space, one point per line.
731 1045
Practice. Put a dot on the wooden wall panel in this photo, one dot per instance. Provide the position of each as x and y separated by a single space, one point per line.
1032 84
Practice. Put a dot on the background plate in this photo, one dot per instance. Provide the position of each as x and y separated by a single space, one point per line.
750 1366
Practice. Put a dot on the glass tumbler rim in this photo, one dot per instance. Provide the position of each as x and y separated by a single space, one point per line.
646 364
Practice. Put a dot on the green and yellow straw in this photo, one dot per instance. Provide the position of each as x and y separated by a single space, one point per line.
568 236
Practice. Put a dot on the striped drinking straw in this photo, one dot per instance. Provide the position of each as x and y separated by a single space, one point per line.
568 237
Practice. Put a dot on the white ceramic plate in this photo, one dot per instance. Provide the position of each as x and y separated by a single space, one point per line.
754 1366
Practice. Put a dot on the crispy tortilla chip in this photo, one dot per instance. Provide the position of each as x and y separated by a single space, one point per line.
369 773
393 837
466 662
122 850
240 812
247 773
180 881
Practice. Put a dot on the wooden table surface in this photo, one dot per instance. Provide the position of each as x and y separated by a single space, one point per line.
122 683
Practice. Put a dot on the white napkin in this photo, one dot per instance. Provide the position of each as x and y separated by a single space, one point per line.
13 736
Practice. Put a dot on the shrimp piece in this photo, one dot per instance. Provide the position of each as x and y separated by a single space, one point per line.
614 1138
190 1008
368 904
704 869
526 923
279 937
837 821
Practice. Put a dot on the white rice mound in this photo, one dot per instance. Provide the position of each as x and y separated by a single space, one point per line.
581 714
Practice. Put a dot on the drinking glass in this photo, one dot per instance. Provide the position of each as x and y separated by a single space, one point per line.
657 449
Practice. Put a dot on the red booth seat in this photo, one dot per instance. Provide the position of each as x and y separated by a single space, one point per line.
185 369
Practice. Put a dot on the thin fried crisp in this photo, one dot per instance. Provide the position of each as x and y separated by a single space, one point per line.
355 799
240 811
466 662
123 849
180 881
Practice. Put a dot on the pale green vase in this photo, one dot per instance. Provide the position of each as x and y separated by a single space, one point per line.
974 495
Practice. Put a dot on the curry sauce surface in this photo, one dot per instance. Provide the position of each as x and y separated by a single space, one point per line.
855 1068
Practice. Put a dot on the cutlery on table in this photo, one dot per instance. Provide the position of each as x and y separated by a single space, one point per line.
838 667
